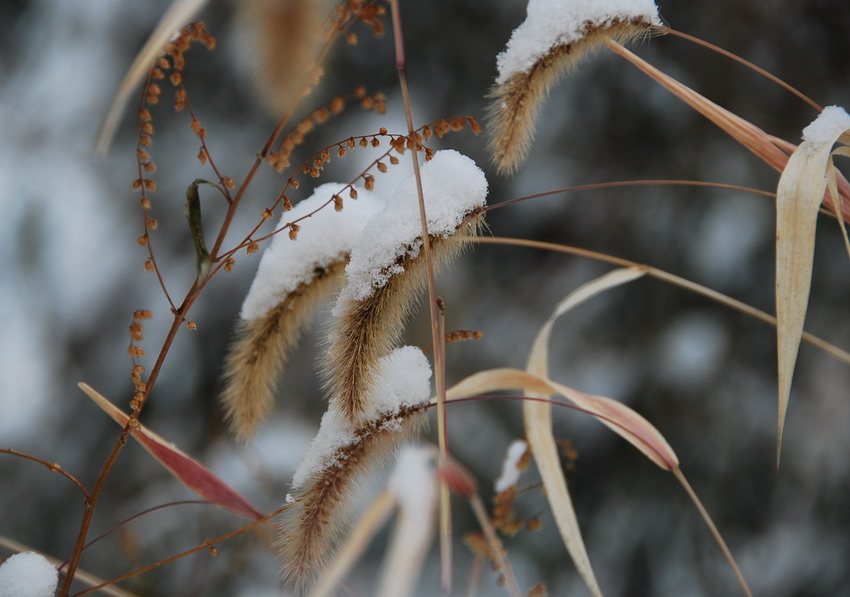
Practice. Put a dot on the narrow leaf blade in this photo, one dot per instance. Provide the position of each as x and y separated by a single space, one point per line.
538 426
186 469
798 198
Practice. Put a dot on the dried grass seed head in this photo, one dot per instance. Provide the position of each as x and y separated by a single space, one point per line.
327 236
453 186
551 40
291 279
386 272
341 454
280 43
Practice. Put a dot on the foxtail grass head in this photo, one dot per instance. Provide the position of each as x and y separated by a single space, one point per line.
343 453
386 271
294 275
551 41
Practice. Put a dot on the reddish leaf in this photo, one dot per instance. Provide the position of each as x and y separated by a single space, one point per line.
186 469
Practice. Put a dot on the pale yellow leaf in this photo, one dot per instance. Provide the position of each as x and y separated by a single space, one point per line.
798 198
538 426
178 14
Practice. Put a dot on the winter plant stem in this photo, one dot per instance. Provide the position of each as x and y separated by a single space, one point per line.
179 318
296 100
838 353
717 537
92 499
433 307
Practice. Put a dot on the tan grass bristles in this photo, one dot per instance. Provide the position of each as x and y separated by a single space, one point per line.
280 43
292 278
367 329
342 453
317 519
260 350
387 272
544 48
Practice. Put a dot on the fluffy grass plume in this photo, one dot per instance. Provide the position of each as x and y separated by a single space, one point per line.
551 41
387 272
292 278
342 453
259 353
280 44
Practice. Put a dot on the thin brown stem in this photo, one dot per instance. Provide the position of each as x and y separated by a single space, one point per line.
496 547
632 183
93 498
677 472
743 61
264 152
53 466
673 279
205 545
439 363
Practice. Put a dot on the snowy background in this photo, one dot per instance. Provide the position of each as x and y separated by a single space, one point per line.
72 276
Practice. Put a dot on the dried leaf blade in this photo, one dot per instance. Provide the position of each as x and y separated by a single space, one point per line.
191 473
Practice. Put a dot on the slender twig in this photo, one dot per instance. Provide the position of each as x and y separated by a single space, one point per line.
496 548
664 276
710 524
439 363
138 515
205 545
53 466
638 183
264 152
743 61
631 183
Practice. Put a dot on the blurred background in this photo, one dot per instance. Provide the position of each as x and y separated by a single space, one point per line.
72 275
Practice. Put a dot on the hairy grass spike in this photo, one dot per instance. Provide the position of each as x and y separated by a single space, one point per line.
281 43
387 272
368 328
343 453
295 273
316 521
259 352
549 43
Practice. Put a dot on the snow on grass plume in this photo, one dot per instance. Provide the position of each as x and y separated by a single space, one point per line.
551 40
292 278
342 453
387 272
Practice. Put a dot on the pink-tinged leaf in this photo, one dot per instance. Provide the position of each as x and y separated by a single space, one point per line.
621 419
186 469
744 132
538 426
798 199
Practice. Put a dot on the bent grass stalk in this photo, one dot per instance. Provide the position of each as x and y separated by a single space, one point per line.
664 276
436 337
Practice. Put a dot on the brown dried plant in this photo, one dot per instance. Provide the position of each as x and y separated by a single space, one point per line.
366 329
515 102
317 519
260 349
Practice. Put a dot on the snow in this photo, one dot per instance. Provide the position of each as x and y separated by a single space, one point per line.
453 186
551 23
324 238
28 574
826 128
510 471
403 380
